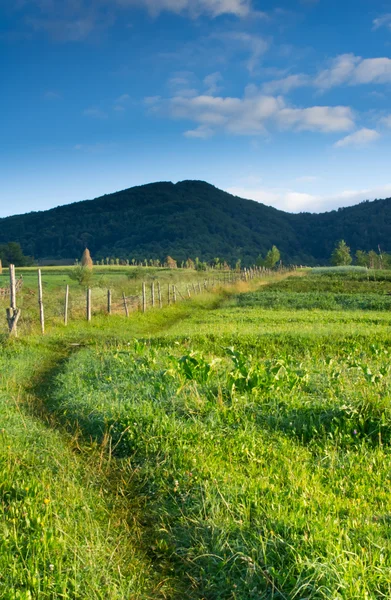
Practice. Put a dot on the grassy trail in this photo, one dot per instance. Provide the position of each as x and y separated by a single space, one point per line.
166 467
82 534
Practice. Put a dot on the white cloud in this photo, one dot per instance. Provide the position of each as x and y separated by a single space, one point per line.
383 21
242 116
212 82
76 20
373 70
341 70
235 42
194 8
182 84
386 121
251 114
354 70
202 132
326 119
286 84
345 69
295 201
362 137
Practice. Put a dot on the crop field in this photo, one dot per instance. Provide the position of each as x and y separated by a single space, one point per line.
229 447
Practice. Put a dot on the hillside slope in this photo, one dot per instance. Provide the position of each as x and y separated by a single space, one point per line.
193 218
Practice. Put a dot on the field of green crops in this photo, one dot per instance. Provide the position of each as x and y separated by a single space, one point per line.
230 447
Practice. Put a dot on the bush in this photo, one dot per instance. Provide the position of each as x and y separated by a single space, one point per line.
83 275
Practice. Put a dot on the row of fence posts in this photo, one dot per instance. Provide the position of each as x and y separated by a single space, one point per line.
156 299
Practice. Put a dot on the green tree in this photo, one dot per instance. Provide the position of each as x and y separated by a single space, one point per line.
362 258
341 254
373 260
259 261
272 257
83 275
12 253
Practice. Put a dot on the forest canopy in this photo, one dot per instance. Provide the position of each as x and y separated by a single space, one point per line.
195 219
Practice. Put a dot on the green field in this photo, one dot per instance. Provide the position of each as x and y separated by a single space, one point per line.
233 446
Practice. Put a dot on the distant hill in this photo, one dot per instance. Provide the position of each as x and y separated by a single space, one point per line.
194 218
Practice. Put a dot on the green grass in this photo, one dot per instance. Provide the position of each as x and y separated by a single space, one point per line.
218 449
66 531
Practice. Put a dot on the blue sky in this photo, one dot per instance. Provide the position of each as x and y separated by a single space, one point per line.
285 102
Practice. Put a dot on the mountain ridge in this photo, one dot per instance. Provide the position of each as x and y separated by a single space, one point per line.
194 218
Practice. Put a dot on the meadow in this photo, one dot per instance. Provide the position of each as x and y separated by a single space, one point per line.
231 446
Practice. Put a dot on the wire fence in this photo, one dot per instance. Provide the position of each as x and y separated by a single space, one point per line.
45 307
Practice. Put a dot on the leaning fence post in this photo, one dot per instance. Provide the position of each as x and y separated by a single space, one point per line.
144 299
13 313
88 304
159 291
153 294
174 293
109 302
40 302
125 304
66 305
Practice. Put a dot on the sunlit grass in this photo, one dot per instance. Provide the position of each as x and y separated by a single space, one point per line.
215 449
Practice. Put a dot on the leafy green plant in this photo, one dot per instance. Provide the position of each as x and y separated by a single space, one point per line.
83 275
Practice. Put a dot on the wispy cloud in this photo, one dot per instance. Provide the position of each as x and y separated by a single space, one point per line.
382 21
354 70
286 84
345 69
252 114
325 119
212 83
255 46
194 8
121 103
52 95
362 137
292 200
76 20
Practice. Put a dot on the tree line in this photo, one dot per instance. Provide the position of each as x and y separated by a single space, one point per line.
342 256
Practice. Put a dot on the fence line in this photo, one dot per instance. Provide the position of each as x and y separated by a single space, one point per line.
144 301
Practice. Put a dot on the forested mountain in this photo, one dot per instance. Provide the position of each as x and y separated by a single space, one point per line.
190 219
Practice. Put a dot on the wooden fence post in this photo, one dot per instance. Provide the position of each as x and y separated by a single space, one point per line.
13 313
199 287
168 295
144 299
88 304
174 293
153 294
40 302
66 305
109 302
159 292
188 291
125 304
